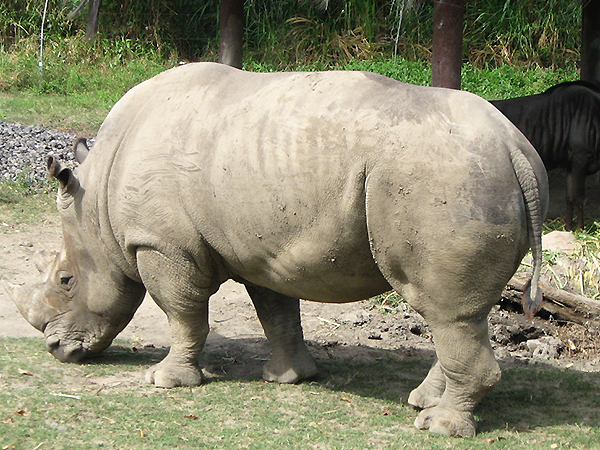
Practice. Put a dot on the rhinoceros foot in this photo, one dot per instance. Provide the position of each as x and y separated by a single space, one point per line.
169 374
430 391
290 370
447 421
424 397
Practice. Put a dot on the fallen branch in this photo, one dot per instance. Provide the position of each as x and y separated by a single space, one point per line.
562 305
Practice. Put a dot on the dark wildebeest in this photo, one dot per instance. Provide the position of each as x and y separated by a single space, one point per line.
563 124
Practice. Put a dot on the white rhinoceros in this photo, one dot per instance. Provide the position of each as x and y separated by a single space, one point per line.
332 187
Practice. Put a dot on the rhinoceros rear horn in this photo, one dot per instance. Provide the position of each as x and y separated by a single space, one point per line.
43 259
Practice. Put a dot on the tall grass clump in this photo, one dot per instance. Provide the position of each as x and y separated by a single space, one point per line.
289 33
537 33
531 33
20 19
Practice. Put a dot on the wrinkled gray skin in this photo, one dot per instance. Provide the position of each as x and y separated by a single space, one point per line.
332 187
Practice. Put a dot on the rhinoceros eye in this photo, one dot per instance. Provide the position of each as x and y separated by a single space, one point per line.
65 279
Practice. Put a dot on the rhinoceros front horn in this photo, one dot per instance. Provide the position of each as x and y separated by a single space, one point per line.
31 305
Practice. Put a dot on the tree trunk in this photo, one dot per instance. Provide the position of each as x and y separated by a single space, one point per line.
448 18
92 19
232 32
563 306
590 41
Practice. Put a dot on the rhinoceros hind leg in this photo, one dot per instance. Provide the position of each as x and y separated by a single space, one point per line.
182 291
467 362
280 317
430 391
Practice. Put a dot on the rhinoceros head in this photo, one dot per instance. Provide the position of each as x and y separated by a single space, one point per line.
83 300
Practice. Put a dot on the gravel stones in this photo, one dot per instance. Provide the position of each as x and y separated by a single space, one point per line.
24 149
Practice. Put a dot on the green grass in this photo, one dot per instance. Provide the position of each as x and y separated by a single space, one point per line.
79 113
353 404
79 82
24 203
509 81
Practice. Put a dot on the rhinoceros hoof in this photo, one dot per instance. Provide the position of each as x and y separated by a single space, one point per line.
424 397
283 373
447 421
167 375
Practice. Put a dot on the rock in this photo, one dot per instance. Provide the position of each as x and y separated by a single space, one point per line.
356 318
545 348
24 149
560 241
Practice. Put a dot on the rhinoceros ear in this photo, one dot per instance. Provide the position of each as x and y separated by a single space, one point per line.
56 170
80 149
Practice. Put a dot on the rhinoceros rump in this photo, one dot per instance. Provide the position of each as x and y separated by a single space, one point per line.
330 186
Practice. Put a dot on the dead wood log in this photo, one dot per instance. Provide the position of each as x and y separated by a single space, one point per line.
562 305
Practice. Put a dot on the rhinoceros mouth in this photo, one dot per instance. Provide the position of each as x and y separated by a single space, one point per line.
74 348
71 352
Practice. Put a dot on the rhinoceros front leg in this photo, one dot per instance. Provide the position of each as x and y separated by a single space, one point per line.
182 291
280 317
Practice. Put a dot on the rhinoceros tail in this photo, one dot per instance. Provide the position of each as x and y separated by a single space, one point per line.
532 295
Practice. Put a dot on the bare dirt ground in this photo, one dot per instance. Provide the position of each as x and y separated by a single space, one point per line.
360 331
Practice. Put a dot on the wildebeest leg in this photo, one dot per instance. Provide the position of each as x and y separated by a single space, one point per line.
430 391
181 290
280 318
575 196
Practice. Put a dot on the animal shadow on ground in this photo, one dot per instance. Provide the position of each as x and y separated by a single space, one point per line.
529 396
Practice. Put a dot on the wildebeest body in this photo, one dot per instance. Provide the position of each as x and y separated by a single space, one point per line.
563 124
